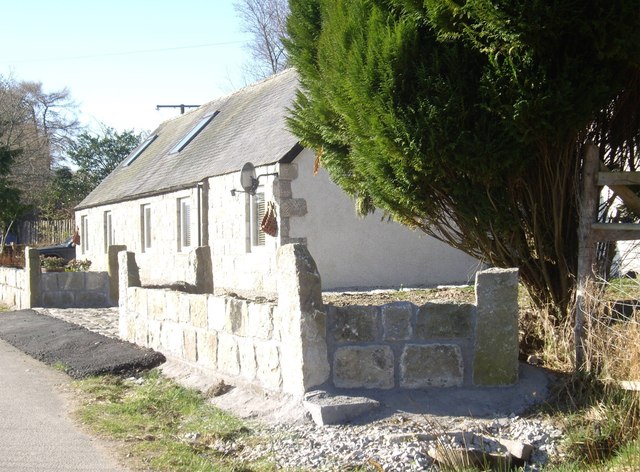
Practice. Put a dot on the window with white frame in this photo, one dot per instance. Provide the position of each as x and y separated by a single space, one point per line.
108 231
184 223
84 234
258 206
145 226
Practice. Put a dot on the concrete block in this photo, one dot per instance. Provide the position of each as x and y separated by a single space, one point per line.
268 370
190 345
73 281
96 281
444 320
356 324
48 282
217 313
396 321
328 409
434 365
90 299
207 345
496 347
228 357
260 320
199 311
247 355
363 367
57 299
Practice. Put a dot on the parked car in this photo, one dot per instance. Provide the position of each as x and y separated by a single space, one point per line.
65 250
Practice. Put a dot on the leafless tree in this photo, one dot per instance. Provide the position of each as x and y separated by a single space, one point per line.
265 21
41 125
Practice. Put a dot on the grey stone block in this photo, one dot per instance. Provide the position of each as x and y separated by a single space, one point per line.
190 345
207 346
363 367
268 369
396 321
228 359
356 324
339 409
496 346
293 207
444 320
237 316
199 311
287 171
434 365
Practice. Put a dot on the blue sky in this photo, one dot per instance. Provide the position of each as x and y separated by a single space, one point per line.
119 59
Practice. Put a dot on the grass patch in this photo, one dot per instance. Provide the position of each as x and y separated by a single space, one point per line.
163 425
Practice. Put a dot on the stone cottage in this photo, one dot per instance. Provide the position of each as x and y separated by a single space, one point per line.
181 190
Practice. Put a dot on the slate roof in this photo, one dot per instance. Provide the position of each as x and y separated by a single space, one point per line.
250 127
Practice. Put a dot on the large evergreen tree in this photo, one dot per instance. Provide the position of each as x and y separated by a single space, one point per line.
466 119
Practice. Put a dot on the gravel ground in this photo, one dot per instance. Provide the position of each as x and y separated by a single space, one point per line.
398 444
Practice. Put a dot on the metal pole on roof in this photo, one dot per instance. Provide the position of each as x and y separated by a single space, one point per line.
182 107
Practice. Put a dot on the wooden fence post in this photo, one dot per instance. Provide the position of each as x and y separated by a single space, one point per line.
588 212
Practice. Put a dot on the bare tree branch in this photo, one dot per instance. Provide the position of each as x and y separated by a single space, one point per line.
265 21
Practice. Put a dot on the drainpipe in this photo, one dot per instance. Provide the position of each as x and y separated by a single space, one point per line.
203 209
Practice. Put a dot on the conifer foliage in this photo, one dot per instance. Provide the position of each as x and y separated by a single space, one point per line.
466 119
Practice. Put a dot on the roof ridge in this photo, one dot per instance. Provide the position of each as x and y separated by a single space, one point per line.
226 97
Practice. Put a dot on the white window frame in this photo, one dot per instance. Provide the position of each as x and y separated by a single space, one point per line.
108 231
184 226
84 234
145 227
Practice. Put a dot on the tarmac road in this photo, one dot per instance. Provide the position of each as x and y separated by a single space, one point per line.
36 433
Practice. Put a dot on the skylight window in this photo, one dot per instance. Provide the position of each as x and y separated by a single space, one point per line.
206 119
135 154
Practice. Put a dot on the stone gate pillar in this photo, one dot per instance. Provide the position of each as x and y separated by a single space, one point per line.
300 312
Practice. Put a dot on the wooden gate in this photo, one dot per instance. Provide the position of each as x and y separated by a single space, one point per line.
596 175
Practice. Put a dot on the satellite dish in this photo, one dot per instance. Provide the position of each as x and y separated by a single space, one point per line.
248 179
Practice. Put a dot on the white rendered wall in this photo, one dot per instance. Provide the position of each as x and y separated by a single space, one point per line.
365 252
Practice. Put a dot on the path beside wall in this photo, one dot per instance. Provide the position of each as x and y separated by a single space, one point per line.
296 344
